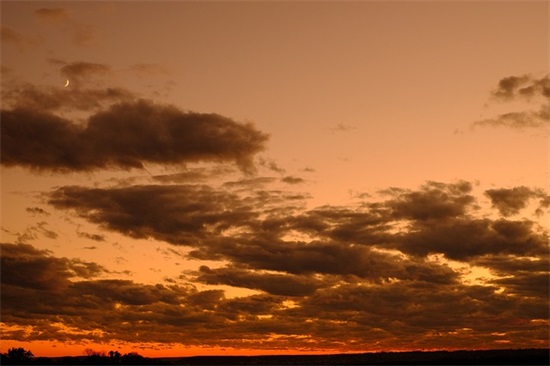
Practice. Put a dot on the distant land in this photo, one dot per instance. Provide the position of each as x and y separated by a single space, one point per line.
485 357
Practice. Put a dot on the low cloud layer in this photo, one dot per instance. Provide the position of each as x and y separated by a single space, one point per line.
126 135
246 230
293 312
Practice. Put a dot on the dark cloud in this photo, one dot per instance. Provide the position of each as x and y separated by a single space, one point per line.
25 266
179 214
436 219
249 183
332 274
44 100
312 312
514 88
524 86
275 284
80 71
292 180
511 201
126 135
37 210
463 239
95 237
270 164
433 200
518 120
327 260
35 231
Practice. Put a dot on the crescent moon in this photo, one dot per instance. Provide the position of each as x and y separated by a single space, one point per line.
67 83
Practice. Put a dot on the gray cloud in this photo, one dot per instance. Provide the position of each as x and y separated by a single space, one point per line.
126 135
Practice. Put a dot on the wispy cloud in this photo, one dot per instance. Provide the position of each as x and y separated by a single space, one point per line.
81 34
342 127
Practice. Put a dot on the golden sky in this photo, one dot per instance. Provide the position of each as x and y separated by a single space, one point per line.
274 177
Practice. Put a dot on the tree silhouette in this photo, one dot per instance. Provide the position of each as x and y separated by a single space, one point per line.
19 356
114 354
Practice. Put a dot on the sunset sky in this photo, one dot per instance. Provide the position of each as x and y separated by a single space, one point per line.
274 177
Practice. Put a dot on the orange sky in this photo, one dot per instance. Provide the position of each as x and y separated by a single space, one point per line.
274 177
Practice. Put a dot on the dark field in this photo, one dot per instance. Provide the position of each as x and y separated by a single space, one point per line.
489 357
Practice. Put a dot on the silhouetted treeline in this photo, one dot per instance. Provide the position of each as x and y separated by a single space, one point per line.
490 357
20 356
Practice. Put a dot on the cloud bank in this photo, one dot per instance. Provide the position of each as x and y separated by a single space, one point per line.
126 135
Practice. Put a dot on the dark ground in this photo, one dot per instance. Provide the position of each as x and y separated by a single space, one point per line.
490 357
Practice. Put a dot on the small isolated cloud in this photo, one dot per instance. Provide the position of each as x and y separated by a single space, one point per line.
270 164
514 87
95 237
37 211
289 179
52 14
35 231
341 127
126 135
79 71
